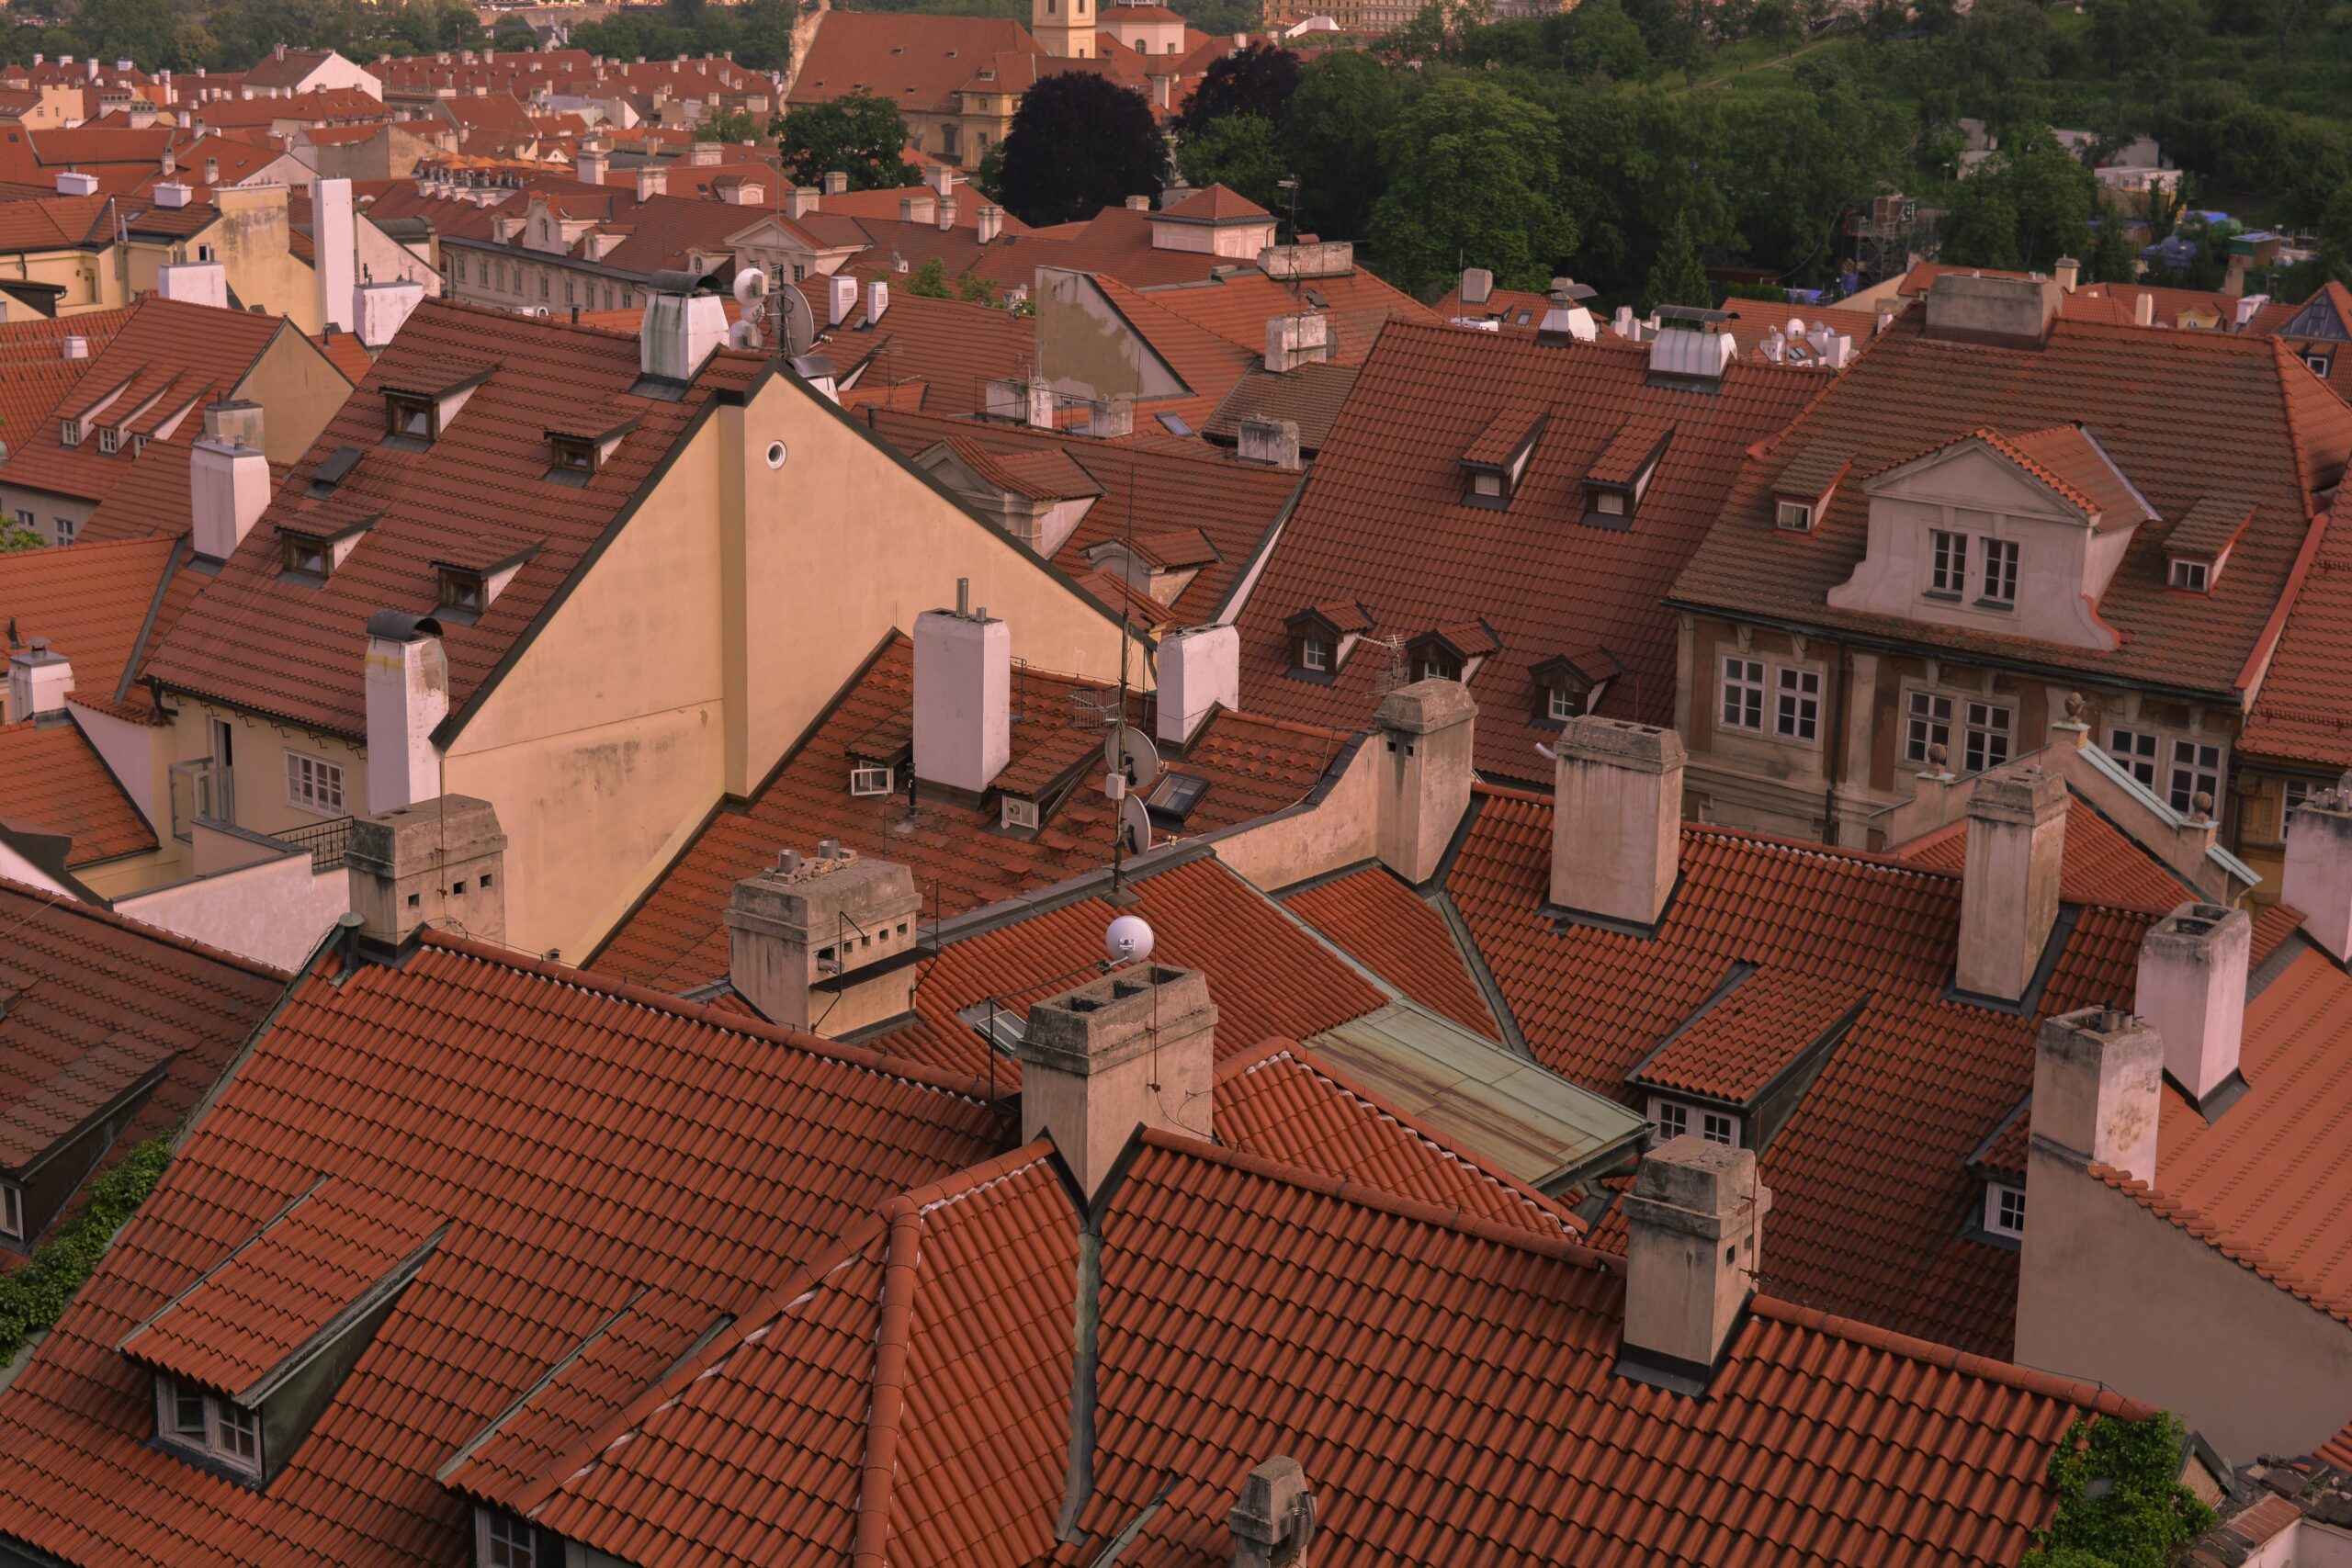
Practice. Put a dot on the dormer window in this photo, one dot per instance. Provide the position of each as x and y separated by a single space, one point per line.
573 455
2004 1208
2200 544
1569 685
208 1426
867 779
1320 638
1314 652
11 1211
576 456
2189 576
1794 517
1620 476
1559 703
1452 652
69 432
470 578
313 545
305 557
413 417
502 1540
1497 459
110 440
1017 814
462 591
1436 667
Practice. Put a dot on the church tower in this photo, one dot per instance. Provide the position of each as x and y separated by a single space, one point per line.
1063 28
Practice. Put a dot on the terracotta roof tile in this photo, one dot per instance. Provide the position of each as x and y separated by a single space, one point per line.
296 652
34 372
1399 937
1309 396
53 779
2100 863
676 937
1732 1050
1382 519
93 602
153 499
1215 204
2298 714
1236 306
917 63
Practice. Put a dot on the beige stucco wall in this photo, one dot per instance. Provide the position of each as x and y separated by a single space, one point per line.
2112 1292
260 746
89 283
251 242
1341 830
298 389
276 910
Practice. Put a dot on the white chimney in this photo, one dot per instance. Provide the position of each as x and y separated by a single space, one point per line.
1271 441
2143 310
877 299
678 332
1200 670
2319 868
653 180
408 696
194 283
1624 325
990 220
2192 993
381 310
800 201
592 164
799 934
172 194
73 182
334 249
2008 901
76 348
1694 1223
948 208
228 491
1616 818
2068 272
38 682
841 299
2097 1090
1135 1048
1477 285
1427 734
836 182
1296 340
963 696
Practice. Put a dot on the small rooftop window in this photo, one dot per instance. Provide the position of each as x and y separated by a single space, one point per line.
1172 800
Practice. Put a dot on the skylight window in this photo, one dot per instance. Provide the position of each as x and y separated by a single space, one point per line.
1173 798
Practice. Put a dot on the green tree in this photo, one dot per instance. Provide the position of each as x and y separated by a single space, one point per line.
1981 228
764 34
1257 81
1079 143
1345 104
976 289
2112 258
1474 184
727 125
857 133
929 280
1677 276
2121 1503
15 536
1598 39
1239 153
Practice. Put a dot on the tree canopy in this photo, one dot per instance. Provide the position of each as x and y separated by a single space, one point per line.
1079 143
1257 81
856 133
1474 175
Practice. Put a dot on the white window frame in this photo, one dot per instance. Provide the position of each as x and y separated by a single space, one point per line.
2001 557
1434 667
2319 363
1796 704
1314 653
1668 1118
11 1211
1794 517
2193 763
217 1438
314 785
2190 576
1981 734
110 440
66 529
223 1445
69 432
2135 751
1947 561
1926 719
2004 1208
1740 693
1609 503
867 779
502 1540
1719 1127
1560 702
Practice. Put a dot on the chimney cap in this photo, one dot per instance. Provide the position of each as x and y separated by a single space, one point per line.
1695 1185
2023 793
399 626
1425 706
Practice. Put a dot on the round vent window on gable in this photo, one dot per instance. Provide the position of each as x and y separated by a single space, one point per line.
776 454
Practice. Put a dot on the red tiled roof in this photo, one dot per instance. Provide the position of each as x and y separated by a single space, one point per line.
915 62
643 1150
53 779
49 223
1121 597
1736 1048
1399 937
92 602
346 353
272 647
1217 204
1511 310
2185 414
1382 519
1149 488
676 937
2100 865
955 348
1237 305
1310 396
2298 713
153 499
95 1002
1869 1173
34 372
1752 320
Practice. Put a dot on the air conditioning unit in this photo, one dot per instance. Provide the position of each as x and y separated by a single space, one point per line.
868 778
1018 813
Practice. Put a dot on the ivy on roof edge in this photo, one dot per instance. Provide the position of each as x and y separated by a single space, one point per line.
2121 1503
34 1296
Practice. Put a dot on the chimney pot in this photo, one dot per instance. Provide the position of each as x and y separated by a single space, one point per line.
2143 309
2016 836
229 490
990 223
2192 992
1616 818
2068 272
1135 1048
836 182
1694 1222
1273 441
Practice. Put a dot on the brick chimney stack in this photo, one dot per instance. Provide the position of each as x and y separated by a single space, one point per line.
1136 1048
1694 1222
2016 836
825 943
1616 818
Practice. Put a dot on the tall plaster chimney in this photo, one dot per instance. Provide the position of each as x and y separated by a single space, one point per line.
963 696
1425 732
1616 818
334 248
825 943
1693 1223
2008 901
1199 669
408 696
228 489
38 682
2319 868
2192 993
1136 1048
2098 1085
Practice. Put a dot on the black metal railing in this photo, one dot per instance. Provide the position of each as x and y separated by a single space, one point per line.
325 840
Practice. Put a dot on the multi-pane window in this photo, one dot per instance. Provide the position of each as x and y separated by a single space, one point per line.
2001 571
1987 736
1435 668
2189 576
508 1543
1930 726
66 529
1948 573
1718 1128
2005 1209
237 1436
1670 1120
2196 770
110 440
1560 702
314 784
188 1411
2136 750
1743 705
1314 653
1798 713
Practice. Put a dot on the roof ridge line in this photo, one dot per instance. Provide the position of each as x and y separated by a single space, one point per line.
2010 1374
105 916
703 1012
1362 1196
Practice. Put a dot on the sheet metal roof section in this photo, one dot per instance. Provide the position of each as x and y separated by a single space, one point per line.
1496 1106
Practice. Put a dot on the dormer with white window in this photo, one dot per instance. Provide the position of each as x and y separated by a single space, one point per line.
2199 546
1495 461
468 578
2014 535
1804 490
1569 685
1620 476
312 544
414 417
1452 652
1322 637
576 455
1036 495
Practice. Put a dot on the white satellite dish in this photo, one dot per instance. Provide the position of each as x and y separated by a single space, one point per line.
1135 825
751 286
744 334
799 323
1129 751
1129 938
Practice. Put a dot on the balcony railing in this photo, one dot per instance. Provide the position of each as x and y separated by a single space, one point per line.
325 840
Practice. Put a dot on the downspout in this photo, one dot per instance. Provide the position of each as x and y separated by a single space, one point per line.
1842 677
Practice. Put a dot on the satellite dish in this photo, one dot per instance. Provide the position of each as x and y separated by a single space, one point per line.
1129 938
751 286
744 334
799 323
1135 825
1129 751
